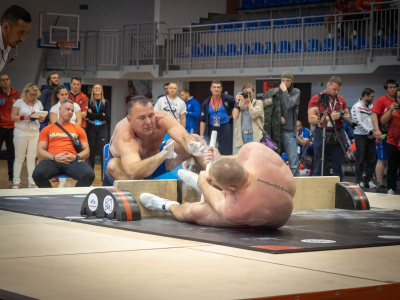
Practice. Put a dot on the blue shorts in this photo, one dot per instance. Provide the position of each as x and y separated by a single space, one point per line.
158 172
381 150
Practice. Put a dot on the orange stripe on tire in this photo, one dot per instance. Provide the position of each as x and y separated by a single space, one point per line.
126 204
364 205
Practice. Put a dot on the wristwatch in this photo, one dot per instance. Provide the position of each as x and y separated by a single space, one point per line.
77 158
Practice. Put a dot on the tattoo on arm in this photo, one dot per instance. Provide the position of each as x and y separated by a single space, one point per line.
276 186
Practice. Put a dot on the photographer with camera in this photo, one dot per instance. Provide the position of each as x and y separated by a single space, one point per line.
364 139
249 113
321 109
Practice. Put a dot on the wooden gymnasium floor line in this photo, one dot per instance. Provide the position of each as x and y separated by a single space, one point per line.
54 259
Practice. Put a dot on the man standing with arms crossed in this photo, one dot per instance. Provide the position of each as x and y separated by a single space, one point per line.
364 138
8 96
381 105
53 81
78 97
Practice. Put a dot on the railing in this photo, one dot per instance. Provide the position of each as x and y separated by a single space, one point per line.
299 41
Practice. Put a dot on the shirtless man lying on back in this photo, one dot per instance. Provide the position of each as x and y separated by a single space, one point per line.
252 188
136 141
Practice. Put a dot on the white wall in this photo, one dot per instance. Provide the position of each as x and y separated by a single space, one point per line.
177 13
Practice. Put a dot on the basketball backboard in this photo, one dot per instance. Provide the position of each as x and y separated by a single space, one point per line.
56 27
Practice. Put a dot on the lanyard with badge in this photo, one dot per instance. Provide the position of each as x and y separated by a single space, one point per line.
32 123
329 124
216 107
97 122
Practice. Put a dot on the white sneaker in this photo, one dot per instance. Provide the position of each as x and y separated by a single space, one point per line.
390 192
360 184
190 179
62 182
15 186
371 184
153 202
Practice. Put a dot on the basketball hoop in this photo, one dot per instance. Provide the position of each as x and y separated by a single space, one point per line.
65 47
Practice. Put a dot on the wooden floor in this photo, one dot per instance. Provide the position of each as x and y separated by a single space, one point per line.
46 258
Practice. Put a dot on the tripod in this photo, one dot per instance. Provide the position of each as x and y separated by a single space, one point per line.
338 137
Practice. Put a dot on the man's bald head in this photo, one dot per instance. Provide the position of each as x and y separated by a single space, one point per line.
227 171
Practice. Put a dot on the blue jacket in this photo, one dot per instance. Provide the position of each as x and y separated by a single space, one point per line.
193 114
45 98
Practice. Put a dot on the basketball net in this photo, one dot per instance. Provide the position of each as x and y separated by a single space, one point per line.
65 47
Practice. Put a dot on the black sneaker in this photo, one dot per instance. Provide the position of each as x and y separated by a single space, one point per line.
381 189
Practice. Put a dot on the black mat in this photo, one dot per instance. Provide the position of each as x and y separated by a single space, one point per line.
307 230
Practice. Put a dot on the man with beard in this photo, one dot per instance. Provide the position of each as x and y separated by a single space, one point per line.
364 138
53 81
15 26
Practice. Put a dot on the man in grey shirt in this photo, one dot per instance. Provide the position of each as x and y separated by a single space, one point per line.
290 99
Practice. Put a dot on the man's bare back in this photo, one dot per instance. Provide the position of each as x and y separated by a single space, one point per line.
267 199
262 194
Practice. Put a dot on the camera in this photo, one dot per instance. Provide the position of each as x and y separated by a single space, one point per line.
245 94
324 98
350 122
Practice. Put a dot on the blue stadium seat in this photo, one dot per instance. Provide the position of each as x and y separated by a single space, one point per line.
195 51
291 22
343 43
328 45
205 51
225 26
283 47
247 4
259 3
230 50
377 41
264 24
286 2
392 41
219 51
317 21
251 25
272 3
240 49
278 22
312 45
359 43
268 47
212 27
238 26
256 48
297 46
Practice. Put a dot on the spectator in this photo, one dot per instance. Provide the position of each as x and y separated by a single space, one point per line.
290 99
173 105
132 93
15 26
364 139
333 149
57 154
99 114
365 6
249 113
341 7
303 139
392 117
53 80
381 105
78 97
165 86
26 132
216 114
149 95
59 95
193 111
8 96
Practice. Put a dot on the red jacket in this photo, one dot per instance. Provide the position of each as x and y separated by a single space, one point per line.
6 104
82 100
